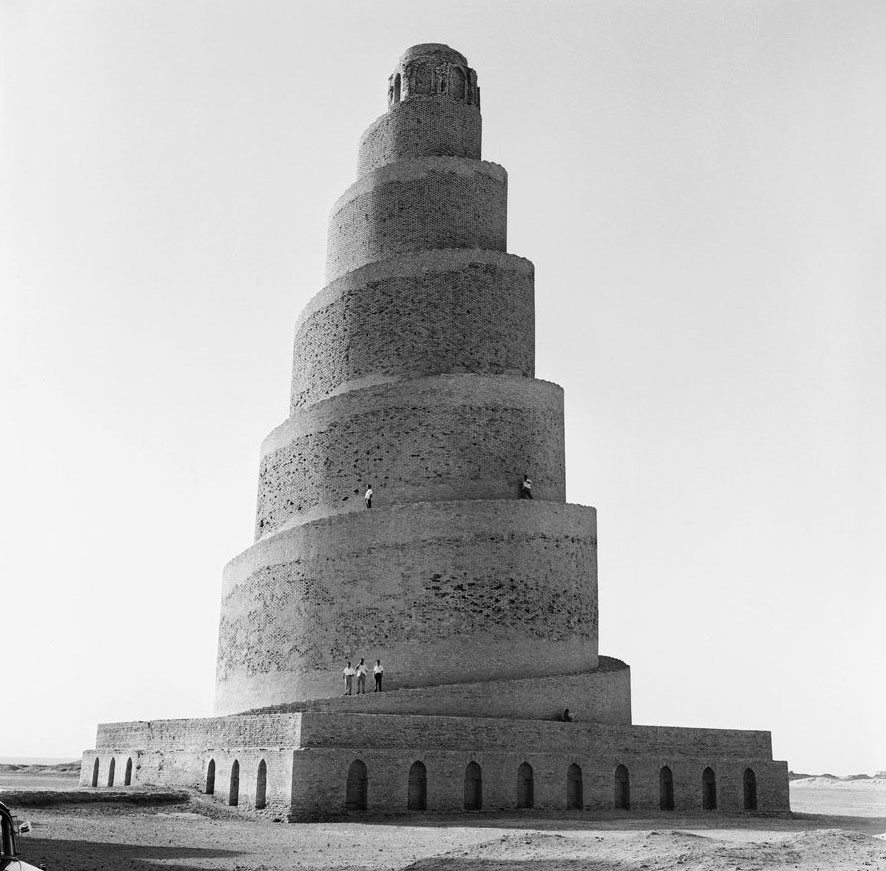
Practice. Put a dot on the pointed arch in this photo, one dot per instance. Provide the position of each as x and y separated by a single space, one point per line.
111 769
261 786
210 778
473 787
458 83
666 789
418 788
574 788
525 786
127 775
234 788
357 787
95 772
622 788
397 86
750 790
709 789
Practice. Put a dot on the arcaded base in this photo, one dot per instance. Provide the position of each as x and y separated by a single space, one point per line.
305 766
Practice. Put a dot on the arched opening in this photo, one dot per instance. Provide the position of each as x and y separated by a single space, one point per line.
458 83
111 769
525 791
622 788
261 786
210 778
234 790
574 788
418 788
750 790
95 772
397 88
473 787
666 789
357 787
708 790
127 775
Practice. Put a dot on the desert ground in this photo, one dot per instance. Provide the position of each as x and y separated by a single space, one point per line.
837 825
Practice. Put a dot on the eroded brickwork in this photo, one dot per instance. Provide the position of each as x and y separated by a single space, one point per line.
420 127
418 204
442 438
414 315
441 592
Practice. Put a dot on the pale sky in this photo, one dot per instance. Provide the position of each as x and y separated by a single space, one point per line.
701 187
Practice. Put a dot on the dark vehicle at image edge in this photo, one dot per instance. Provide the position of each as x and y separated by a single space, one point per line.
10 828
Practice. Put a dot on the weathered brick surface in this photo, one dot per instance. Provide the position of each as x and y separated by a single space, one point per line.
446 437
440 592
413 315
601 695
307 778
418 204
319 780
421 127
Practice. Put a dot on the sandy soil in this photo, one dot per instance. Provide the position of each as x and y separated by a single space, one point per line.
200 834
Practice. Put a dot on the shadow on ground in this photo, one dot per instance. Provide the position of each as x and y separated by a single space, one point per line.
633 821
61 855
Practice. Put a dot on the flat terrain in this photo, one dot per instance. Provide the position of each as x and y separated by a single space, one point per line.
837 830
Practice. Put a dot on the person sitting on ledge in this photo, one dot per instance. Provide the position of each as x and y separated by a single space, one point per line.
526 487
566 717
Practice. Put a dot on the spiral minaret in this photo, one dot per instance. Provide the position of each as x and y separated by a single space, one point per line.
413 371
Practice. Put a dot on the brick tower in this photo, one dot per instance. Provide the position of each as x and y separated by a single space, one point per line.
413 373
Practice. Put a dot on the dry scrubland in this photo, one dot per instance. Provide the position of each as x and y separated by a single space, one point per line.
837 826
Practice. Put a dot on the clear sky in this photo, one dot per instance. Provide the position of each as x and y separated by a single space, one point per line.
701 186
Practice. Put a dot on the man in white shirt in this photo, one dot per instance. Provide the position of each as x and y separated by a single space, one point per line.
378 671
368 497
361 677
348 674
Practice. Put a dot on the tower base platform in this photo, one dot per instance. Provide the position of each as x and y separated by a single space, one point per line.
336 757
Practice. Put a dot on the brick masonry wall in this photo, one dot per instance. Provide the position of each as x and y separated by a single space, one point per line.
441 438
190 769
445 311
320 777
417 205
389 731
199 733
442 592
600 695
311 781
425 126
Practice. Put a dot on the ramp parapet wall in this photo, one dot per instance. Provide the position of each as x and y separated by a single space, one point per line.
447 311
418 204
439 591
440 438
